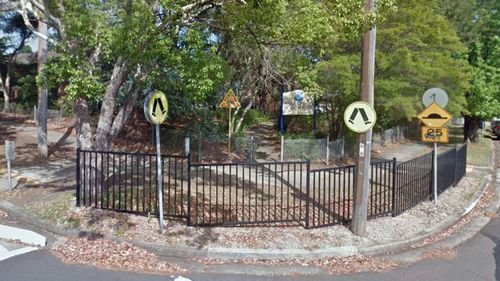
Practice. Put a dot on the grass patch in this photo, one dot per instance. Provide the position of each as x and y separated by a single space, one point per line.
478 154
56 211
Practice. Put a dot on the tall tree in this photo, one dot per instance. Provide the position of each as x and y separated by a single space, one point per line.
417 48
12 24
478 24
43 150
274 45
109 51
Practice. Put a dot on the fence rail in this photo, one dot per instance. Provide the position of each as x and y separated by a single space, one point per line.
257 193
413 183
126 182
249 193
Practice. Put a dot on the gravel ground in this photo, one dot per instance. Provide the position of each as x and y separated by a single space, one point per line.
381 230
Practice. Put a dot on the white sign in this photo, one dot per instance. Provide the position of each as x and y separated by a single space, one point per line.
9 150
360 117
298 102
436 95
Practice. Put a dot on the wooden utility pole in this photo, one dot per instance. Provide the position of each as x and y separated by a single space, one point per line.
360 211
42 94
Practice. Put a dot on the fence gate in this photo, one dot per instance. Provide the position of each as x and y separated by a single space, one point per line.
248 193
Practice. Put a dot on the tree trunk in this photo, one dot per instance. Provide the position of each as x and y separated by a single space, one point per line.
42 95
6 92
124 113
82 125
242 117
120 74
471 127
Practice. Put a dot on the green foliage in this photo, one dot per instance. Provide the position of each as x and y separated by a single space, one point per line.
417 48
254 116
478 24
27 91
181 60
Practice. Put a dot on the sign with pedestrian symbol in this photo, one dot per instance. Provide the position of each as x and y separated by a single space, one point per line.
230 100
156 107
434 116
360 117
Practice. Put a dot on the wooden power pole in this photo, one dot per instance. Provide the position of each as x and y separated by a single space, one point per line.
360 211
42 94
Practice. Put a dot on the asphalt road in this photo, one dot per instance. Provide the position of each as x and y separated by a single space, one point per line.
477 259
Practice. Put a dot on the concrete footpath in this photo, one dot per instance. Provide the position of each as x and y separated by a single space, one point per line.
16 241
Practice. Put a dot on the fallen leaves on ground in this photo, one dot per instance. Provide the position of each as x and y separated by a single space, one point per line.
477 210
343 265
108 254
444 253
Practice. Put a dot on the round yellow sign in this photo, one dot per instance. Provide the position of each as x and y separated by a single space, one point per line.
156 107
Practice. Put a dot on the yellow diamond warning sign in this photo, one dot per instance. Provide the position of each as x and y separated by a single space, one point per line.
434 134
230 100
434 116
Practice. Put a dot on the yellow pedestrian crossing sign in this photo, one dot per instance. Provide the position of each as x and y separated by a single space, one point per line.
230 100
156 107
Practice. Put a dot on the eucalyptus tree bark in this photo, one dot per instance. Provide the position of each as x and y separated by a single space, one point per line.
42 94
6 92
118 77
242 116
82 125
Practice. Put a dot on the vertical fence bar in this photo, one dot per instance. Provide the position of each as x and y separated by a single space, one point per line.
95 179
102 180
78 186
189 190
455 164
216 194
393 195
84 179
308 175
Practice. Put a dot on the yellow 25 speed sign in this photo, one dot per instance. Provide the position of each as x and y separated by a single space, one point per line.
156 107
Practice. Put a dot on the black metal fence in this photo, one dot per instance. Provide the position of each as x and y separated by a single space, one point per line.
127 182
249 193
331 194
413 183
256 193
451 167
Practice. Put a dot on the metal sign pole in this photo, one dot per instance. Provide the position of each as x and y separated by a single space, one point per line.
10 175
9 155
229 135
434 177
159 178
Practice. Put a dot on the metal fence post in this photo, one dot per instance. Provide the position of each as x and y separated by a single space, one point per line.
308 177
187 146
456 165
394 170
434 174
189 190
78 177
343 148
282 139
328 150
199 146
